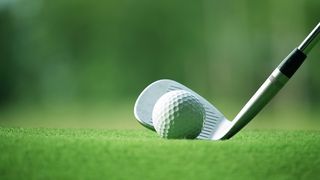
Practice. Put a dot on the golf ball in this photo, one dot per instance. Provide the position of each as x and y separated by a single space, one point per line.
178 115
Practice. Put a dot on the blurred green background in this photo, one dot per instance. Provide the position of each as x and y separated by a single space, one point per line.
82 63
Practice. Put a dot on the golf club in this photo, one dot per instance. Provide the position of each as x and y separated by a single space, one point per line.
216 126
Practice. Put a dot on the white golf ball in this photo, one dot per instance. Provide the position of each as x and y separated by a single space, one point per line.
178 115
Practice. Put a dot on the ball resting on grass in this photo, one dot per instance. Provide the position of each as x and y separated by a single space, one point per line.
178 115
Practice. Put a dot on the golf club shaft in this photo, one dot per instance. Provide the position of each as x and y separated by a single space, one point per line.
274 83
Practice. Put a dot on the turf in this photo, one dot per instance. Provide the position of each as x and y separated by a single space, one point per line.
139 154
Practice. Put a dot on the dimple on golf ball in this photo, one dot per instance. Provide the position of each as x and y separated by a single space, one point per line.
178 115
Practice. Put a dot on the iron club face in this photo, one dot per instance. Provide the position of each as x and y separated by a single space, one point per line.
215 123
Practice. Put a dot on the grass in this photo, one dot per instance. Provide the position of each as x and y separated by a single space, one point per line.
120 116
42 153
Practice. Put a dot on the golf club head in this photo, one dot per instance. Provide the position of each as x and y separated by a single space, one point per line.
215 124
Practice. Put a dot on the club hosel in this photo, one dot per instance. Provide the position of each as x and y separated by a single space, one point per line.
262 96
268 90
